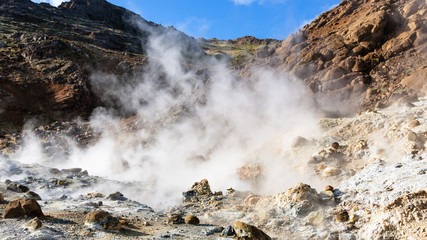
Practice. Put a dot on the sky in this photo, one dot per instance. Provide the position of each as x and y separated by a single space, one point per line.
228 19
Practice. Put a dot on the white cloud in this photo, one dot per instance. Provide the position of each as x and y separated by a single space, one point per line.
249 2
55 3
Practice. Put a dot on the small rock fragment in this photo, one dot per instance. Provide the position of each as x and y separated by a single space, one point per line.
353 219
117 196
191 219
33 195
342 216
175 219
331 171
315 218
335 145
412 136
95 195
213 230
228 231
33 224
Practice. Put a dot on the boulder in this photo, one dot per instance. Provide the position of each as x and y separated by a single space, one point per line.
117 196
198 191
103 220
191 219
246 231
23 208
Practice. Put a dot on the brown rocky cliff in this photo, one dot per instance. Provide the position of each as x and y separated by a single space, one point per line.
362 51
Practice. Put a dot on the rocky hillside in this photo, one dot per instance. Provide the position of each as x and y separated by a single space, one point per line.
364 51
122 115
47 55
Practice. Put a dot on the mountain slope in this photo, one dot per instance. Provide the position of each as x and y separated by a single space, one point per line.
361 53
47 55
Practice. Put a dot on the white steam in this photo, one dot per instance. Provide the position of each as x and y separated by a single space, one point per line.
194 126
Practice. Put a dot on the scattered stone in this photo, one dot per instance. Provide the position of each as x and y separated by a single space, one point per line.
175 219
94 195
353 219
228 231
326 195
191 219
213 230
33 195
103 220
23 207
33 224
229 191
251 200
63 182
250 232
342 216
54 171
335 145
117 196
315 218
412 136
17 187
331 171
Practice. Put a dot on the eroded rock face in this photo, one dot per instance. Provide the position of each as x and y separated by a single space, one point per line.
360 53
359 45
23 208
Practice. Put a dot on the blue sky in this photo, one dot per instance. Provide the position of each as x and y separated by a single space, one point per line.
228 19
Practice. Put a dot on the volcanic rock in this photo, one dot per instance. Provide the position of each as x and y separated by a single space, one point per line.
103 220
228 231
34 195
23 208
246 231
191 219
117 196
175 219
33 224
198 191
342 216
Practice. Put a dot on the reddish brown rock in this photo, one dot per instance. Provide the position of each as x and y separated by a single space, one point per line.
23 208
103 219
191 219
246 231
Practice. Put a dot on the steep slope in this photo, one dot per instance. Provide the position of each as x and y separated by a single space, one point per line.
365 51
47 55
